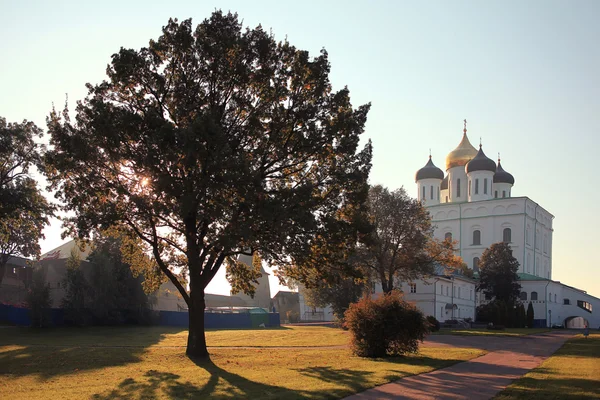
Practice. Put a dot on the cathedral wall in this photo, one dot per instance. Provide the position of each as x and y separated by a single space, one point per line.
530 230
457 184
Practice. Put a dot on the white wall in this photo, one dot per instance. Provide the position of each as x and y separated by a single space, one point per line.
530 225
550 304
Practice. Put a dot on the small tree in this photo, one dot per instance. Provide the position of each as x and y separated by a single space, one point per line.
117 293
498 274
38 299
401 246
338 295
76 290
521 316
530 315
387 325
434 324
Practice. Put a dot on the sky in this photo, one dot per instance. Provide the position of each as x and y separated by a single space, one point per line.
523 74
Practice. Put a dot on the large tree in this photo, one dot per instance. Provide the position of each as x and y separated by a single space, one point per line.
401 246
23 209
210 143
498 276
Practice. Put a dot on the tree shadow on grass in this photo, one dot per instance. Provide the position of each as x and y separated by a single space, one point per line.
542 389
221 384
56 352
354 381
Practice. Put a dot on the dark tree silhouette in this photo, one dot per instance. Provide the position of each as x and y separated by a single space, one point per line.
23 209
210 143
498 274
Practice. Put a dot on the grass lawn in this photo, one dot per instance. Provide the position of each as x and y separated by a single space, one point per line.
573 372
488 332
86 363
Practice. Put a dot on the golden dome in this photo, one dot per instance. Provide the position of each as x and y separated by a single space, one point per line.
461 155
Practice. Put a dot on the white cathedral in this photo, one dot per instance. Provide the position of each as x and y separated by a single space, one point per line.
472 204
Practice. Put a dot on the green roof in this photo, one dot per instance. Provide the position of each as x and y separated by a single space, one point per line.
528 277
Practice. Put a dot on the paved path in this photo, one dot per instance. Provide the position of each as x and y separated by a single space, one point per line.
480 378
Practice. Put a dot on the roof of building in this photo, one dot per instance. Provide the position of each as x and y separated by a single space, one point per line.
429 171
528 277
480 163
462 154
64 251
17 261
286 293
501 176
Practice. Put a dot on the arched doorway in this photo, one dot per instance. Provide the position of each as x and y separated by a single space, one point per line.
575 323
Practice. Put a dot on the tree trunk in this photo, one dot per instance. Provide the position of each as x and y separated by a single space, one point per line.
196 346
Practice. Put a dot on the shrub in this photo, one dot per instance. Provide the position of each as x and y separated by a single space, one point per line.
434 324
385 326
293 316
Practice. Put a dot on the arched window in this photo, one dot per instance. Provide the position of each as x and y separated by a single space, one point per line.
549 297
423 197
476 264
448 236
476 237
485 186
504 193
496 194
555 298
470 181
533 295
476 186
431 193
458 188
523 296
506 235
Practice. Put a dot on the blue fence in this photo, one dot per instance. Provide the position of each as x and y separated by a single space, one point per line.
20 316
222 321
15 315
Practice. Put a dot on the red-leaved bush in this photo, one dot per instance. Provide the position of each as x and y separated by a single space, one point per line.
387 325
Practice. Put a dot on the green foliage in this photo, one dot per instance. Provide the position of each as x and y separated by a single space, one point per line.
211 142
76 290
498 274
530 315
243 277
498 312
292 316
521 317
116 296
24 211
401 246
38 299
434 324
385 326
338 295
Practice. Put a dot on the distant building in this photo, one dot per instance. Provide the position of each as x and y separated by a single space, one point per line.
287 304
472 204
17 276
54 265
314 314
262 296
